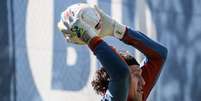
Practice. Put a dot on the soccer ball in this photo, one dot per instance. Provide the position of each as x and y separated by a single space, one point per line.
82 11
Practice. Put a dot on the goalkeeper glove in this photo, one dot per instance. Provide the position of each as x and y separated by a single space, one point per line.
69 36
109 26
78 32
74 16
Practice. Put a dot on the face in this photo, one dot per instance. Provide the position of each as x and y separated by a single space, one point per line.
137 83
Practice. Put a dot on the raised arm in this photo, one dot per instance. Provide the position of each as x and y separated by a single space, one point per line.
116 68
150 48
155 53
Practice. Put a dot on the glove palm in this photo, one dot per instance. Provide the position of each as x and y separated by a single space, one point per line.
73 23
79 32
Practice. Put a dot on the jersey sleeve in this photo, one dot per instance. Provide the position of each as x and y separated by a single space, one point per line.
155 57
116 68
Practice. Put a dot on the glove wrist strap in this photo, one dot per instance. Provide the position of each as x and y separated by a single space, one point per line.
119 30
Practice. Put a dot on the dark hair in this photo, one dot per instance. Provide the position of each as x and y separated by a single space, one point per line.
101 81
130 60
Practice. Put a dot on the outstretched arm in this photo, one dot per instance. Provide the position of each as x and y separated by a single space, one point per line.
147 46
116 68
155 53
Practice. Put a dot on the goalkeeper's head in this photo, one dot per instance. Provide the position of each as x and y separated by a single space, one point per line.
102 79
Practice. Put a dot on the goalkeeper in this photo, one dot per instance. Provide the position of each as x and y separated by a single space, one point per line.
121 78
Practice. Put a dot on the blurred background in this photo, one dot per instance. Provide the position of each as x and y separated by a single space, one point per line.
36 64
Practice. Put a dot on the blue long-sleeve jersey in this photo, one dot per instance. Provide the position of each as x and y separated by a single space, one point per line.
118 69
